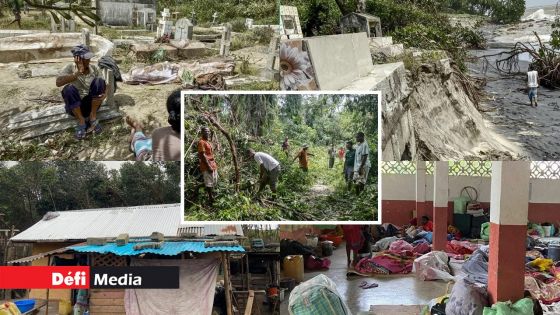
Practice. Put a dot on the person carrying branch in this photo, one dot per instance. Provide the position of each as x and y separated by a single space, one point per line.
532 85
361 163
286 147
303 160
207 163
269 170
83 92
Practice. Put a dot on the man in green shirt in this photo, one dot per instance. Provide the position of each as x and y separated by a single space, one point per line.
349 158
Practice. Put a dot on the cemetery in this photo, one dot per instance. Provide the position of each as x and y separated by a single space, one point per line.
152 51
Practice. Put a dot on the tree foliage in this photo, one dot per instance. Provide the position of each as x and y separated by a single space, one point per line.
262 122
28 190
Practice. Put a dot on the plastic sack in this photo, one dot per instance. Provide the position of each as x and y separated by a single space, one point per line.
466 299
432 266
485 231
9 308
317 296
521 307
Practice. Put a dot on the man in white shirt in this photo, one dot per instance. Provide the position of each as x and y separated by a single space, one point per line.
269 170
361 163
533 85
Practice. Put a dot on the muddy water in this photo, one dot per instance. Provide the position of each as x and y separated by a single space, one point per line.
535 130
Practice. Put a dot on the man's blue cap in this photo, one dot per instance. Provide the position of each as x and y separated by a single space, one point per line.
82 51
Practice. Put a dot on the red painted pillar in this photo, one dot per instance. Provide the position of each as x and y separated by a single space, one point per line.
441 196
420 189
509 203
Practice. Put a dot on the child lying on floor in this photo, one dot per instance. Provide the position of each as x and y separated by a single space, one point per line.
165 143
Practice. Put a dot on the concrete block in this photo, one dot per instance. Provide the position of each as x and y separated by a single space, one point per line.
380 41
339 59
193 50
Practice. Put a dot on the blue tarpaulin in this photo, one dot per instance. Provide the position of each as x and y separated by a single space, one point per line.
167 248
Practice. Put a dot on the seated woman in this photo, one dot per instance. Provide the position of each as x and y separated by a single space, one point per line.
165 143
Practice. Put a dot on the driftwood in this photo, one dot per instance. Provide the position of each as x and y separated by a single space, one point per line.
545 60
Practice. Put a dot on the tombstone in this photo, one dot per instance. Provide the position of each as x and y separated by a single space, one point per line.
164 25
361 22
289 22
226 40
183 29
193 17
85 37
249 23
214 17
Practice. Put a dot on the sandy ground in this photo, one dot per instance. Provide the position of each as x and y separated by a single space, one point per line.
145 103
510 114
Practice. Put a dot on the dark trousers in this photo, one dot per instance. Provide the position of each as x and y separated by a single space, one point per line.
72 99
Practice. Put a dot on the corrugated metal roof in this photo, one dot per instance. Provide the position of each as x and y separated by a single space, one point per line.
168 249
210 229
39 256
138 221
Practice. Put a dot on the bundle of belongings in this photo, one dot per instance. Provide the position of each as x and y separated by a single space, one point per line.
317 296
312 262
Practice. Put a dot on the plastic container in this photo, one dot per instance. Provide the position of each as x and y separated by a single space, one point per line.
547 230
25 305
293 267
554 252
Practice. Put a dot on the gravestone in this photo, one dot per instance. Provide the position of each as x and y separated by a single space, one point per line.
289 22
184 29
164 25
249 23
226 40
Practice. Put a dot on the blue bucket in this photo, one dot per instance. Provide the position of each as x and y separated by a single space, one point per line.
25 305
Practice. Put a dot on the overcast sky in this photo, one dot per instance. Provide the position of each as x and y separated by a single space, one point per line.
536 3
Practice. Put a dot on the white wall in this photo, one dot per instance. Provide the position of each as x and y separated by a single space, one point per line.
402 187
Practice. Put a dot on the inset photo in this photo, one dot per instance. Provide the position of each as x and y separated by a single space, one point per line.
276 157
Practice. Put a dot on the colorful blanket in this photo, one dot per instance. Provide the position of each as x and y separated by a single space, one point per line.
386 262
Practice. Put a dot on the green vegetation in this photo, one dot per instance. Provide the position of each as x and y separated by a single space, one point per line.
261 122
28 190
262 11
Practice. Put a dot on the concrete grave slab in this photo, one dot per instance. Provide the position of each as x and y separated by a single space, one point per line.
146 50
339 60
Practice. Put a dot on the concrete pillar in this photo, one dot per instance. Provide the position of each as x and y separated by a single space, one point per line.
85 37
509 203
441 196
420 189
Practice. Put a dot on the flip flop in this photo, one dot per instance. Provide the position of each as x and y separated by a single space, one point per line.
370 286
95 127
80 132
363 284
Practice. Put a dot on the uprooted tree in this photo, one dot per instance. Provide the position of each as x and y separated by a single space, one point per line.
545 60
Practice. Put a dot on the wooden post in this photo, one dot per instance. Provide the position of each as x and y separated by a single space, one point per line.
48 291
250 301
110 83
227 283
